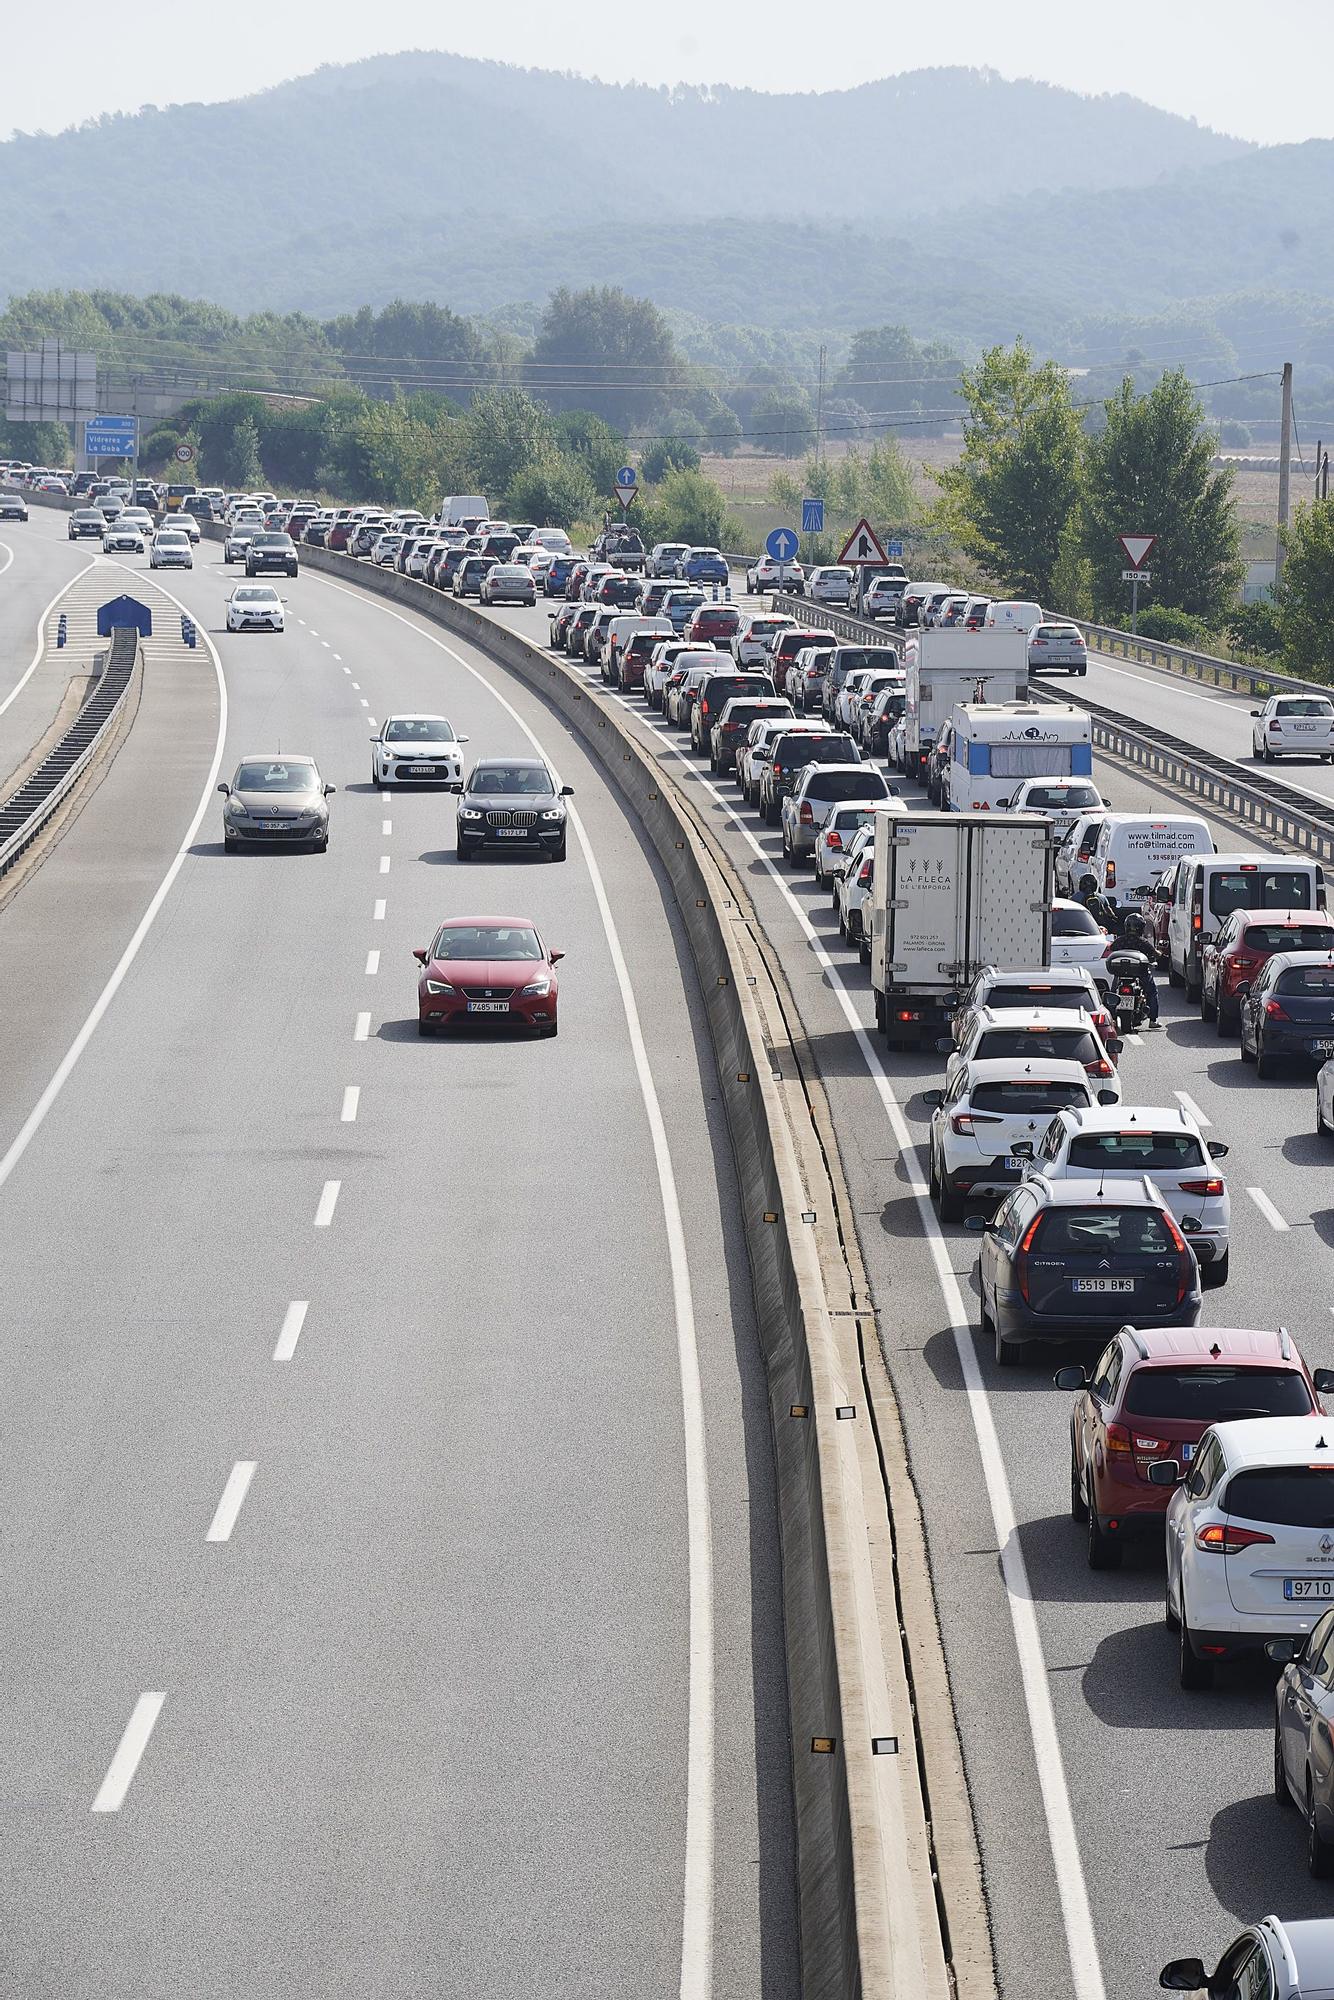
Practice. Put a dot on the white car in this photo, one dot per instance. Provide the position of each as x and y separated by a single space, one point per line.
881 599
989 1108
255 607
819 791
767 573
186 522
1075 851
1076 939
122 534
850 694
1060 800
1293 725
170 549
1249 1553
662 664
417 750
832 583
750 645
1050 1033
385 552
1067 987
834 841
1130 1141
236 542
896 749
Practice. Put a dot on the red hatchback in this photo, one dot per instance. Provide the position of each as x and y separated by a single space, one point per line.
487 969
1240 946
1153 1394
716 624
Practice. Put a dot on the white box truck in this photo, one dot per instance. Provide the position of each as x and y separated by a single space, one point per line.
948 666
996 745
949 895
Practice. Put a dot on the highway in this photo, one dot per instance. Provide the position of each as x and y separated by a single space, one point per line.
1121 1820
392 1600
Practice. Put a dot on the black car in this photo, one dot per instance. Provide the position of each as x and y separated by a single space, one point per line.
789 757
512 802
85 522
13 507
1068 1260
442 569
734 719
271 552
713 697
1288 1010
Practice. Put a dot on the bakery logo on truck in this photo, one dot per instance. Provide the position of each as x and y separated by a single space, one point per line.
921 872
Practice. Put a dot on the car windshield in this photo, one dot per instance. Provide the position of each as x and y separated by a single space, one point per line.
1071 1044
1104 1232
495 941
1073 923
172 538
1259 889
1140 1151
252 594
418 729
1027 1095
501 780
272 542
1312 979
1287 937
293 776
1215 1392
1290 1496
1060 798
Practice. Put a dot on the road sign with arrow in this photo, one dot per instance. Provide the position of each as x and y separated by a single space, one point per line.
863 546
782 544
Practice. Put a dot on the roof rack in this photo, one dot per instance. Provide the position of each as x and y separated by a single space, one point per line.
1284 1344
1133 1333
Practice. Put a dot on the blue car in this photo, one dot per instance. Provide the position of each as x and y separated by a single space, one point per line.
558 575
703 566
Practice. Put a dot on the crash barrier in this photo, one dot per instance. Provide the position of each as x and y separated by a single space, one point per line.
24 814
874 1890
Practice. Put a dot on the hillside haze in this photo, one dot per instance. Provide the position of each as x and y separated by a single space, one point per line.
239 201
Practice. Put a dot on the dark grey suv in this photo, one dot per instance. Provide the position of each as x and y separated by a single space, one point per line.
512 802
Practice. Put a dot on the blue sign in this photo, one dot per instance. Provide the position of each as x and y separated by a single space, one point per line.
111 437
627 476
125 611
812 517
893 548
782 544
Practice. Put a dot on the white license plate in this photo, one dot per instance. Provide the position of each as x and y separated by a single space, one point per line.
1302 727
1308 1586
1013 1163
272 825
420 770
510 832
1102 1284
488 1006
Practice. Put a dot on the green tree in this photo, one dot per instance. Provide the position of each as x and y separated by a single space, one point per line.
505 430
1010 495
782 421
229 433
1149 471
245 469
603 340
687 507
555 491
584 436
668 454
1306 603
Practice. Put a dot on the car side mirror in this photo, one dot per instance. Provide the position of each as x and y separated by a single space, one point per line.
567 791
945 1045
1022 1150
1072 1377
934 1098
1002 805
1281 1651
1165 1472
979 1224
554 957
420 957
1108 1097
1255 714
1184 1975
1217 1149
329 791
1324 1381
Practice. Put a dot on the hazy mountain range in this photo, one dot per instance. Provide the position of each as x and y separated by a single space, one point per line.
948 199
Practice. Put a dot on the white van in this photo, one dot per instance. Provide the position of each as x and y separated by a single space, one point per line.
1134 849
1209 887
456 508
1013 614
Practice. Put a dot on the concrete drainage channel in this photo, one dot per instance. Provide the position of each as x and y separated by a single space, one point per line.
889 1883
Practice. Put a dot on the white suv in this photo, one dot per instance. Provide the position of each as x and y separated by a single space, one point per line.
990 1108
767 573
1167 1145
1293 725
1250 1553
750 646
833 584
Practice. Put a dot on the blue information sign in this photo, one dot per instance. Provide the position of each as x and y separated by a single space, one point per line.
812 517
893 548
782 544
111 437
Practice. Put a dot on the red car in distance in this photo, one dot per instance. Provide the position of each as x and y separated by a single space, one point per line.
716 624
487 969
1240 946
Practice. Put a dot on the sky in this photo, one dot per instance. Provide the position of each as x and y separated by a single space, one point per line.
1255 73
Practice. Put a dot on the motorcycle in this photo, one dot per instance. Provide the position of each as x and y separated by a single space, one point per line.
1125 994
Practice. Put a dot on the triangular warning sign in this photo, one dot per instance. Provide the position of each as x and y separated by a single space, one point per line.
1137 548
863 546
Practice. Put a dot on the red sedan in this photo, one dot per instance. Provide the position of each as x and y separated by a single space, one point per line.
487 968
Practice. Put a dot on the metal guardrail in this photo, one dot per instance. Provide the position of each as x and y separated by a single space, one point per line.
843 624
26 812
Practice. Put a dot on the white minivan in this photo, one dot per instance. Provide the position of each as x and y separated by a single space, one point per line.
1134 849
1209 887
1012 615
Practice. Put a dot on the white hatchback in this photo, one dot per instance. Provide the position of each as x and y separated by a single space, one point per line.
417 750
1293 725
989 1109
832 584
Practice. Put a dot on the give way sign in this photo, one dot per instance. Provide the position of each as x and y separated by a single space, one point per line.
1137 548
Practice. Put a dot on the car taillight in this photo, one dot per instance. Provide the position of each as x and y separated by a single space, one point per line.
1212 1186
864 876
1276 724
833 840
1225 1538
962 1123
1100 1068
1275 1010
1118 1438
1111 875
778 770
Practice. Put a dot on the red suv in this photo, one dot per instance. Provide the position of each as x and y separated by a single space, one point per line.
716 624
1240 946
1153 1394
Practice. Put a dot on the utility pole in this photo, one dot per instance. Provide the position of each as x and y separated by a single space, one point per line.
819 411
1284 473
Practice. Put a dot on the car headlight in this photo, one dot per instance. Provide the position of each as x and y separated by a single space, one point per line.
469 812
440 986
540 985
237 807
556 812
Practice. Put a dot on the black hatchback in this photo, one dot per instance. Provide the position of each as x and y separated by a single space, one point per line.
1065 1260
512 802
1288 1010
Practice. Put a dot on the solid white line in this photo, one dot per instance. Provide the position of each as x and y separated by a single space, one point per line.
1191 1108
293 1321
1266 1208
120 1772
379 910
384 864
328 1203
10 553
362 1029
697 1899
372 963
232 1501
42 617
351 1099
386 826
32 1124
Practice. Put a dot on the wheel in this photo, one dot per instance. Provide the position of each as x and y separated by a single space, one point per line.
881 1011
1191 981
1170 1618
1225 1021
463 853
1007 1351
1173 976
1208 1007
424 1028
952 1205
1264 1065
1103 1552
1078 1504
229 844
558 853
1246 1054
1193 1673
551 1029
764 813
1319 1851
1282 1789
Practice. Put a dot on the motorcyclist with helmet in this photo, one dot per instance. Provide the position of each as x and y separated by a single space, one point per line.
1131 934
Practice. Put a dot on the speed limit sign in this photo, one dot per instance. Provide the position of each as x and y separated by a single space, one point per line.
184 453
